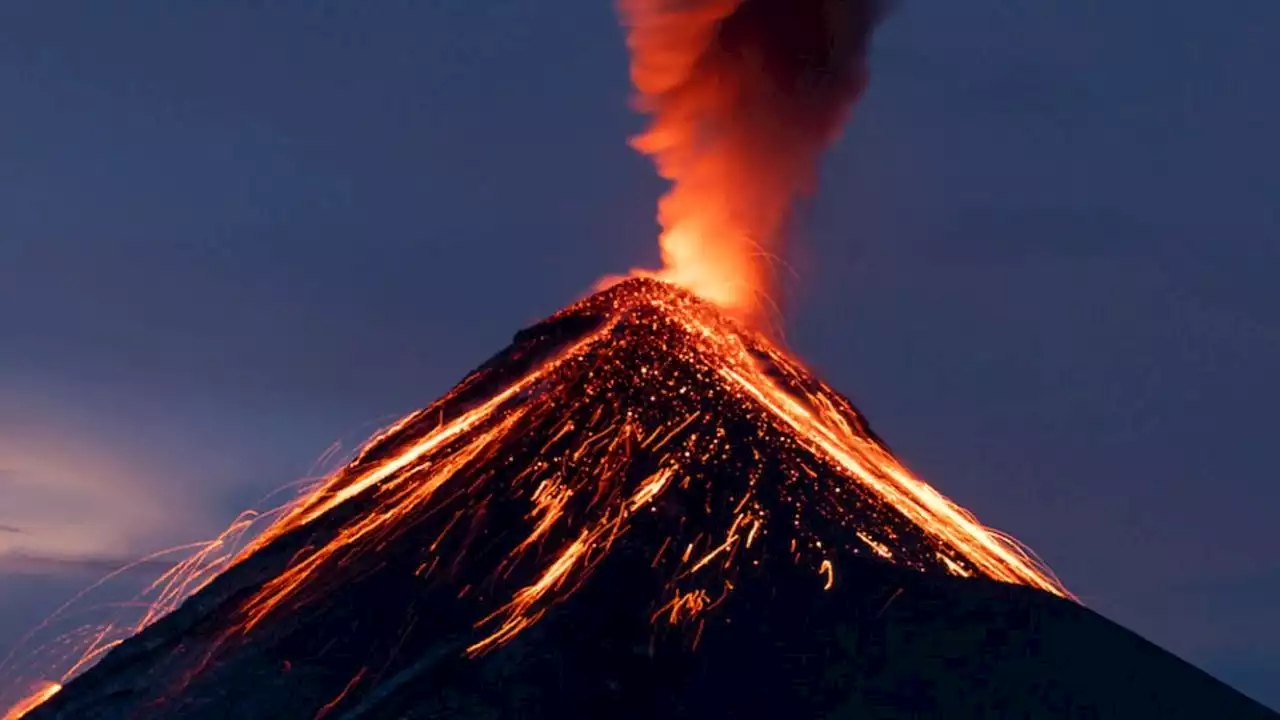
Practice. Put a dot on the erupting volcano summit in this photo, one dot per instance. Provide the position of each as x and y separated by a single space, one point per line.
642 508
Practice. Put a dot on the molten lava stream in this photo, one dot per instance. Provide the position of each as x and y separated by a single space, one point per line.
38 697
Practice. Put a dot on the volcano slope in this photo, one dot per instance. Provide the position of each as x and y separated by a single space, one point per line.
637 510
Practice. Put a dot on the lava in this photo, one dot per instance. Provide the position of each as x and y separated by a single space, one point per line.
37 697
744 97
589 443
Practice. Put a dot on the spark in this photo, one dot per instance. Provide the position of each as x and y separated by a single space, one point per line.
830 572
329 706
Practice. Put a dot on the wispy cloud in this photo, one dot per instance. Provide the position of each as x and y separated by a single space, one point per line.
89 498
20 563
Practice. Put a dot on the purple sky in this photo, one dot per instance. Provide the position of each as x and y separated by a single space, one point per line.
1042 262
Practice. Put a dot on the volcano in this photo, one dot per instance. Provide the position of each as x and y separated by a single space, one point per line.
639 509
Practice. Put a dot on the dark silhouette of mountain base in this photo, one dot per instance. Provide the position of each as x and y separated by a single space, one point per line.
892 644
617 517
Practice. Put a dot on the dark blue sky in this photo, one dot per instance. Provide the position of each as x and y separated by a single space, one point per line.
1042 262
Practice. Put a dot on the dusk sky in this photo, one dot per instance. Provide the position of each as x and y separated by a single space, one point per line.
1043 262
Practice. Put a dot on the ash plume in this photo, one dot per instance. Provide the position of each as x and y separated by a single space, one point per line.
744 95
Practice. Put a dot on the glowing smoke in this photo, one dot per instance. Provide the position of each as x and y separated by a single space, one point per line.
745 95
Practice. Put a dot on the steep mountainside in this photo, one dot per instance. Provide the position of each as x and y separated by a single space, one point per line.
636 510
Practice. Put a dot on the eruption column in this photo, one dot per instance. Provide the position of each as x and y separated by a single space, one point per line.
744 97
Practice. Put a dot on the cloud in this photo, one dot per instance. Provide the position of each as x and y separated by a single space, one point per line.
21 563
65 493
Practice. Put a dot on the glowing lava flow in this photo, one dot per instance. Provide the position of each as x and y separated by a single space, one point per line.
38 697
391 479
827 431
579 479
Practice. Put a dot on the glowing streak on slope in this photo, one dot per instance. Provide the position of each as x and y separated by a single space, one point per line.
531 602
346 690
403 497
407 498
913 498
37 698
827 432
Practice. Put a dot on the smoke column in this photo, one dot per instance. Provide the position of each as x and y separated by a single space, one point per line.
744 96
